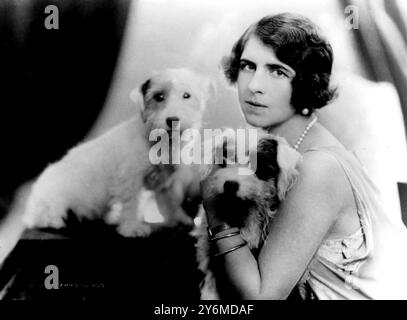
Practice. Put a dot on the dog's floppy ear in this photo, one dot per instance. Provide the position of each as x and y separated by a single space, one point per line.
137 94
267 166
288 159
145 87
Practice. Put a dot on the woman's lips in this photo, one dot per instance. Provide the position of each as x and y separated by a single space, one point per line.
255 104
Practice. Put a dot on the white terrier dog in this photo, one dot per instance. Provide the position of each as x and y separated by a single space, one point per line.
103 177
247 201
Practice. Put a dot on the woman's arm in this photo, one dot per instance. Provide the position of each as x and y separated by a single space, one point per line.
303 220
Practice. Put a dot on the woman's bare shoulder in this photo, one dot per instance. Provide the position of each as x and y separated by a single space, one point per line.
321 168
321 184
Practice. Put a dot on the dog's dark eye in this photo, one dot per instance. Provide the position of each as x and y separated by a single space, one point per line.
186 95
159 97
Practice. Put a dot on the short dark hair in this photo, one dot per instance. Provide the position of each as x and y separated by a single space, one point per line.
297 42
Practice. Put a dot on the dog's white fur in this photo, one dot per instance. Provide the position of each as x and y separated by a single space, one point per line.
177 182
255 229
103 177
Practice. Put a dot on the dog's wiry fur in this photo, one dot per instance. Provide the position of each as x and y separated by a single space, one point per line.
246 201
175 183
104 177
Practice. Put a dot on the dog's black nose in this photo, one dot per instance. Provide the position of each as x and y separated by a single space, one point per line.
231 187
169 121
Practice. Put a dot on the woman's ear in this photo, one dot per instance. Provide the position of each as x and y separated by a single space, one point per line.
288 159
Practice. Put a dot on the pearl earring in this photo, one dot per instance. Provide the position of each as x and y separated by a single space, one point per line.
305 111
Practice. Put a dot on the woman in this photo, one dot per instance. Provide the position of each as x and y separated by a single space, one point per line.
330 238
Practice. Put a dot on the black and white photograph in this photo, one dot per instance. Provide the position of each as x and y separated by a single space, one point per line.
194 156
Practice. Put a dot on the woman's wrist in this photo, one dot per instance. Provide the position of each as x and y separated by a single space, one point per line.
223 237
227 243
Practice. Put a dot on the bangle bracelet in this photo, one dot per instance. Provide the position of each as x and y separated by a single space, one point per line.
225 236
216 229
230 250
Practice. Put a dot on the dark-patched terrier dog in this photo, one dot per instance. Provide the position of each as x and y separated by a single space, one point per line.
247 200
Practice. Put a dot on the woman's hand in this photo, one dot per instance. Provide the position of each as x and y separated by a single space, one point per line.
211 216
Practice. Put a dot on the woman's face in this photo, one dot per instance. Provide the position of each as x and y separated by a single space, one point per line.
264 86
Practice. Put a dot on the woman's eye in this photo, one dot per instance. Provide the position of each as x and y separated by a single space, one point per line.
278 73
244 66
159 97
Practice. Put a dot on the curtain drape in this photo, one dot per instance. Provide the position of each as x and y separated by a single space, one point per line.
382 39
53 83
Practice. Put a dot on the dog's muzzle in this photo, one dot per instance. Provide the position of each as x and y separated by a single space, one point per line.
173 123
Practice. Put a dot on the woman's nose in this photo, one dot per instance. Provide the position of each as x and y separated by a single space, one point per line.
256 84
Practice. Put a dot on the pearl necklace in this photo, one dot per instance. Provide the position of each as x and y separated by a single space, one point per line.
305 132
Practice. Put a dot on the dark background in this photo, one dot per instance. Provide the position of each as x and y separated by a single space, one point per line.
53 85
97 264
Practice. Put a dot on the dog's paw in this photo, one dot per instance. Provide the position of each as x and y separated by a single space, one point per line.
132 230
114 214
41 215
